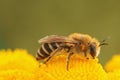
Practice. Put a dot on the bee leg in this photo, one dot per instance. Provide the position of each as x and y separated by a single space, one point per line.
47 59
52 54
85 53
68 60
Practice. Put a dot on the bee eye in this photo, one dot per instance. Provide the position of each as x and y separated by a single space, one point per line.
92 50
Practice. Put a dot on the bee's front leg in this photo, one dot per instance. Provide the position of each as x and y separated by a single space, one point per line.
68 60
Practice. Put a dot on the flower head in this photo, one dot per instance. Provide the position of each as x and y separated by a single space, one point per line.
17 65
113 64
115 75
113 68
79 69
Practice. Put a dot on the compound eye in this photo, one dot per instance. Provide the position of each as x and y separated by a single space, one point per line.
93 50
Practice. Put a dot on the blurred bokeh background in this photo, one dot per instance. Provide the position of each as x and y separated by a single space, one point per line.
24 22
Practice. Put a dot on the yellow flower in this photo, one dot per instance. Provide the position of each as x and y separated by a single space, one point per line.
115 75
16 74
113 68
17 65
79 69
113 64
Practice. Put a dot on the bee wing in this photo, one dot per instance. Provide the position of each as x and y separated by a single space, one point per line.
55 38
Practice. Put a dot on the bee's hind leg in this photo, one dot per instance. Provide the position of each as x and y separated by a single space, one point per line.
47 60
52 54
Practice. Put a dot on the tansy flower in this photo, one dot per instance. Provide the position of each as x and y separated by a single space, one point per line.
79 69
115 75
17 65
113 68
113 64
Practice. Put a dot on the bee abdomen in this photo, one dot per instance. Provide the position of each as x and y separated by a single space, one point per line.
46 49
55 45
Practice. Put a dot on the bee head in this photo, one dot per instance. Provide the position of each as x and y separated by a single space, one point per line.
87 44
94 48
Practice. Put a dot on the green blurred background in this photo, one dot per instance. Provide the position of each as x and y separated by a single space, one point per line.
24 22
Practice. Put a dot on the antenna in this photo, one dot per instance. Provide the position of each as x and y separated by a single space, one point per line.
103 42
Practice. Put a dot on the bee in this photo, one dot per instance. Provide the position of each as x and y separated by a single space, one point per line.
74 43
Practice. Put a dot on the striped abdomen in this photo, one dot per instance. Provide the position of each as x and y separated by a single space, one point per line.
46 49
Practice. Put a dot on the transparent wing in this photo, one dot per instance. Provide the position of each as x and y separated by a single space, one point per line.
55 38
